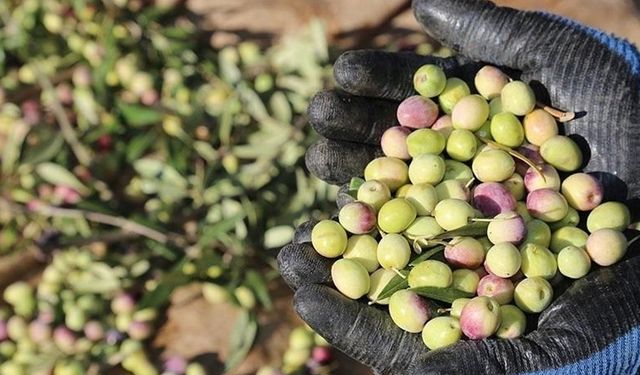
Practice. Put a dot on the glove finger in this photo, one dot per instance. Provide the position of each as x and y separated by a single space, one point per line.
337 162
344 197
300 265
480 30
364 333
559 58
382 74
303 232
489 356
340 116
594 315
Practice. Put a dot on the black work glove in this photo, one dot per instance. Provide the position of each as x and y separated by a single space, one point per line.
594 327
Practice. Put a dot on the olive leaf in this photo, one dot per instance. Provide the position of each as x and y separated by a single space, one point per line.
13 145
139 116
56 174
258 284
45 151
478 228
354 185
447 295
242 337
427 255
397 283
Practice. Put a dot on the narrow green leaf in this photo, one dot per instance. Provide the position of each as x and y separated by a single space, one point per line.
211 233
13 145
394 285
57 175
478 228
354 185
44 151
253 104
139 145
427 255
259 285
242 337
139 116
447 295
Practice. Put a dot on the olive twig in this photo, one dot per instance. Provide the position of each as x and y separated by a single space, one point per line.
476 219
631 241
398 273
470 182
80 152
560 115
515 154
97 217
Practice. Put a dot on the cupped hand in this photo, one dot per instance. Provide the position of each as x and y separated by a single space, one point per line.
593 327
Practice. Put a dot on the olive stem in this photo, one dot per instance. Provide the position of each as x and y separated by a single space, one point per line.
96 217
416 247
398 273
493 219
430 241
631 241
560 115
471 181
80 152
515 154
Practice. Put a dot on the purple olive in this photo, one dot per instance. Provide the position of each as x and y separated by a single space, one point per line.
497 288
175 364
545 178
64 339
532 153
480 318
507 227
321 354
123 303
492 198
466 252
357 218
417 112
547 205
139 330
93 330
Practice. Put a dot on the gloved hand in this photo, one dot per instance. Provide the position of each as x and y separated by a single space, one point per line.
592 328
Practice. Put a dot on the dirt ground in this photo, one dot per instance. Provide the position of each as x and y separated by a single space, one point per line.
350 21
195 328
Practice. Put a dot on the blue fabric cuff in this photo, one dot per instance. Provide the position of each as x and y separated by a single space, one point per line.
619 358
